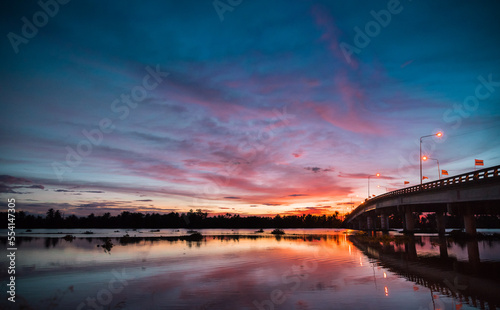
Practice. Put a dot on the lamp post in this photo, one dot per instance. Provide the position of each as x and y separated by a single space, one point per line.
424 158
438 134
377 175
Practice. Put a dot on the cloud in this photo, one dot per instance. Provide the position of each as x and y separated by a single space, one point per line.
10 183
317 169
330 33
346 203
364 176
6 189
232 197
36 186
310 210
7 179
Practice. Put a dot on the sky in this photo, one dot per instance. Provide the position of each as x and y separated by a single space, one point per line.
248 107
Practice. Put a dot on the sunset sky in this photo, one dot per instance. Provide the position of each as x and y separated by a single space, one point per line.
260 107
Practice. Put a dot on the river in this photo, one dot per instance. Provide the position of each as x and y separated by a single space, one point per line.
243 269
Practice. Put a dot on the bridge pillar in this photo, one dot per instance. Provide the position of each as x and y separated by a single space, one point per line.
384 221
440 223
411 249
473 253
409 222
469 221
443 247
369 222
374 221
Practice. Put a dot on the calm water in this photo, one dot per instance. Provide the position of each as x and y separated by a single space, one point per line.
304 269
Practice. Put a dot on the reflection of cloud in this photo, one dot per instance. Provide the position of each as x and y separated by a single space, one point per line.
197 286
362 280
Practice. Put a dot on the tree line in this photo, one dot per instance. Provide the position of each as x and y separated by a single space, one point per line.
191 219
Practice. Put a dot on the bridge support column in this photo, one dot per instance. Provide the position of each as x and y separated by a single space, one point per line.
440 223
469 221
384 221
409 222
369 223
443 247
411 249
473 253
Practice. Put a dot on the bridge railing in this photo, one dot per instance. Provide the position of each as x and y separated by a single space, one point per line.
454 181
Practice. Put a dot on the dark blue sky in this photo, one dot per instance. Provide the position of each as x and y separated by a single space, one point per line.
258 108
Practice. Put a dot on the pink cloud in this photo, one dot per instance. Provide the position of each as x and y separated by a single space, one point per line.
330 34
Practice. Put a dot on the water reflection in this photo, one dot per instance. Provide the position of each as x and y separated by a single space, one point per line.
472 282
256 271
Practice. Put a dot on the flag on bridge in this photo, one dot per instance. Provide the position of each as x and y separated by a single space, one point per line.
444 172
479 162
424 177
407 182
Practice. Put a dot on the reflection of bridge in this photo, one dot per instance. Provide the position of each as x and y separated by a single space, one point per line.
476 192
463 281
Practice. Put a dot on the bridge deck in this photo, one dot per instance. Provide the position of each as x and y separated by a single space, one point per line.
478 185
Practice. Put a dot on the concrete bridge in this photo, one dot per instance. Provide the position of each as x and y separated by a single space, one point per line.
468 194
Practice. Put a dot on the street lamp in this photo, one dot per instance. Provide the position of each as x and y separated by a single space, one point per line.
424 158
438 134
377 175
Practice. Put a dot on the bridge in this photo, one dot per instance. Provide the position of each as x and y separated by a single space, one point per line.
468 194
